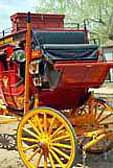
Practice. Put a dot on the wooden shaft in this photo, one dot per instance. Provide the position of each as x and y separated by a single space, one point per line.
94 141
28 57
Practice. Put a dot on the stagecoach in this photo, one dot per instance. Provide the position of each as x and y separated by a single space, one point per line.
48 93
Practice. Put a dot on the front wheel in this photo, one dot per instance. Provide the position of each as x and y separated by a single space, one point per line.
46 139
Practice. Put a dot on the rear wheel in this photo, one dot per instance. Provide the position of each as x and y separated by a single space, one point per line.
94 125
99 122
46 139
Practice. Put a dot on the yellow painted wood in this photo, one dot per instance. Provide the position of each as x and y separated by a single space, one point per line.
46 138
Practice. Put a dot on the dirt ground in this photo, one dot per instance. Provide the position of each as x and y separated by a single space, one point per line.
11 159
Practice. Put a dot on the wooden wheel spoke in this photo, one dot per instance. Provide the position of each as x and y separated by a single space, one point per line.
57 130
108 123
57 158
51 161
39 123
60 133
60 152
34 127
30 147
33 154
100 114
30 132
45 122
66 137
106 117
39 159
51 125
62 145
83 111
29 140
89 109
95 109
45 161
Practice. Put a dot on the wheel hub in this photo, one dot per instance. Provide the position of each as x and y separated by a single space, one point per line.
45 149
44 139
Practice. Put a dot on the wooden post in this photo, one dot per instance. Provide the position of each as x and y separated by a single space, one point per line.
28 57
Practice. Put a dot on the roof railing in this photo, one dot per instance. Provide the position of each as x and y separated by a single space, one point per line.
75 25
5 32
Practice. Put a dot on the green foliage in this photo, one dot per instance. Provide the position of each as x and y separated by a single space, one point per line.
99 14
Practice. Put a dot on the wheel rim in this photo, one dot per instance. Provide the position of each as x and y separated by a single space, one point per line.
46 139
96 115
7 141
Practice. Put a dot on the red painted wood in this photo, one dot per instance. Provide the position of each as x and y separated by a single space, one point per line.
76 79
38 21
84 75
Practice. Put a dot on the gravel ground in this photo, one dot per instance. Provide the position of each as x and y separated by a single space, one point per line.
98 160
9 158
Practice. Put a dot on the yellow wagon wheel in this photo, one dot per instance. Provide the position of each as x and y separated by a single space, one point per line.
94 120
46 139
